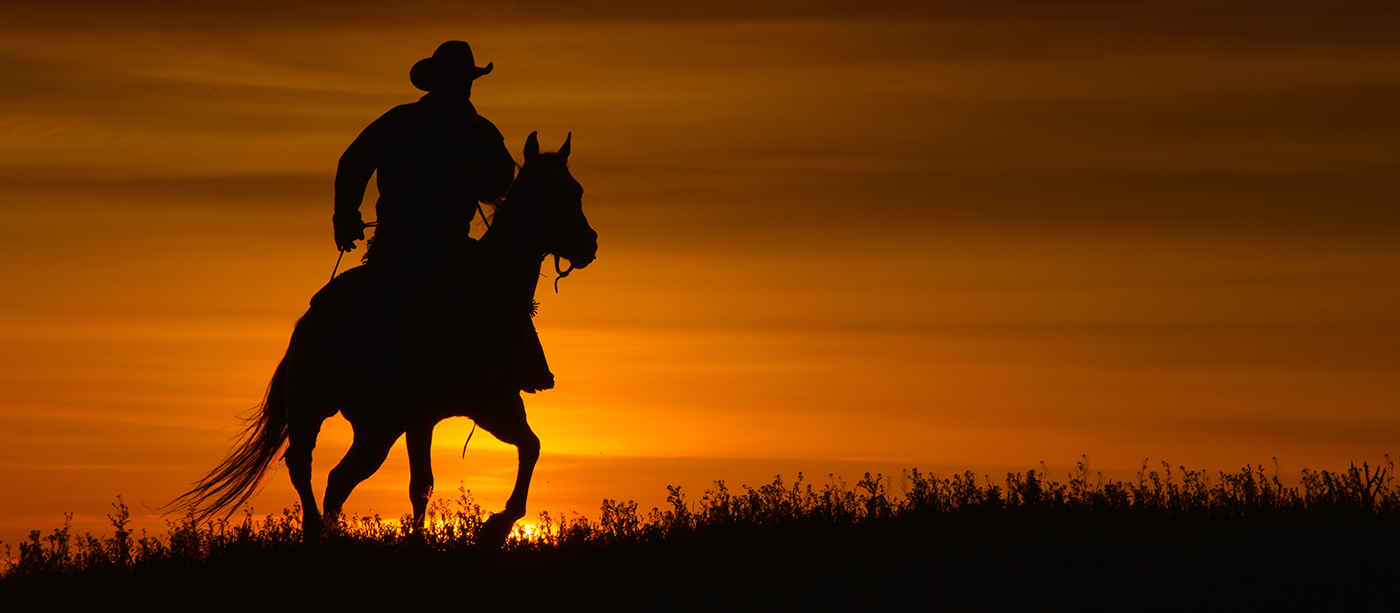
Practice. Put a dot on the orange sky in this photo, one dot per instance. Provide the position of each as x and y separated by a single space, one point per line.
830 241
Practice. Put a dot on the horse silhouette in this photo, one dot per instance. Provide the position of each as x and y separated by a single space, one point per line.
396 359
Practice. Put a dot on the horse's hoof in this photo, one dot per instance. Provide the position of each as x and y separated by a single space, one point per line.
494 530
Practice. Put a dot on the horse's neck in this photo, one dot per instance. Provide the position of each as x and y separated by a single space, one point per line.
516 264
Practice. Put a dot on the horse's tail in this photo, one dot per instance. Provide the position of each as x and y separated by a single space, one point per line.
241 474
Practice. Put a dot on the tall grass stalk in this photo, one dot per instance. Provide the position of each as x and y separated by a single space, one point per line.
1358 493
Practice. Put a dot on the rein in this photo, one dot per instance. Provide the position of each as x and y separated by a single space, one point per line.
340 257
469 439
337 263
483 215
562 273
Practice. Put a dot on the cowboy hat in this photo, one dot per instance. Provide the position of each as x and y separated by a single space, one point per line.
452 62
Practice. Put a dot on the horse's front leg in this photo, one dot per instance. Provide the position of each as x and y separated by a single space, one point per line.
508 424
528 450
420 466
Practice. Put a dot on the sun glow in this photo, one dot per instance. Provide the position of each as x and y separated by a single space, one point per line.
974 242
439 527
528 532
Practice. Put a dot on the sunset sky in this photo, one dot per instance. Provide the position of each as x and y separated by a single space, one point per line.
948 235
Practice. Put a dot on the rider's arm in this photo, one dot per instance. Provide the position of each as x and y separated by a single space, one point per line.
498 166
351 176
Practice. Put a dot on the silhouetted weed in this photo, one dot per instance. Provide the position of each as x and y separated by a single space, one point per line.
1026 537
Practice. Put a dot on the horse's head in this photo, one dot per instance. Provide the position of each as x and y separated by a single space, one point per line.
547 199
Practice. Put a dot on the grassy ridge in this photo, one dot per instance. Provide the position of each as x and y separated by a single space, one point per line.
962 538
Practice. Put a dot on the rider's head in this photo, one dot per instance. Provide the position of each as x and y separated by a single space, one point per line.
450 70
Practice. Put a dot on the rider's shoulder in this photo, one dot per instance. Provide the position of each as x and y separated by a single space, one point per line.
404 111
397 120
487 128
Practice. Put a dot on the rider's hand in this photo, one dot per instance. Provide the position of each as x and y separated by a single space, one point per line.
348 229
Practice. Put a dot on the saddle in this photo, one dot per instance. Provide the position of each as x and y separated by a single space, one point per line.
434 319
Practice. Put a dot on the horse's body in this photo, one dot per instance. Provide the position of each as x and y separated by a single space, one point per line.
399 363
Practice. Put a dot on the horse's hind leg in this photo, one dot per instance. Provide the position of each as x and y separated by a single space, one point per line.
367 453
301 439
507 423
420 464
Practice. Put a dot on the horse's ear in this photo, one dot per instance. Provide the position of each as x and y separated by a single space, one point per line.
564 151
532 145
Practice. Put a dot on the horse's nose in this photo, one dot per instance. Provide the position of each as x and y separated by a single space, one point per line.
584 261
587 257
590 250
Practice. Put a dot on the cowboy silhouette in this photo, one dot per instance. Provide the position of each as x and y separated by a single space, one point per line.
436 159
